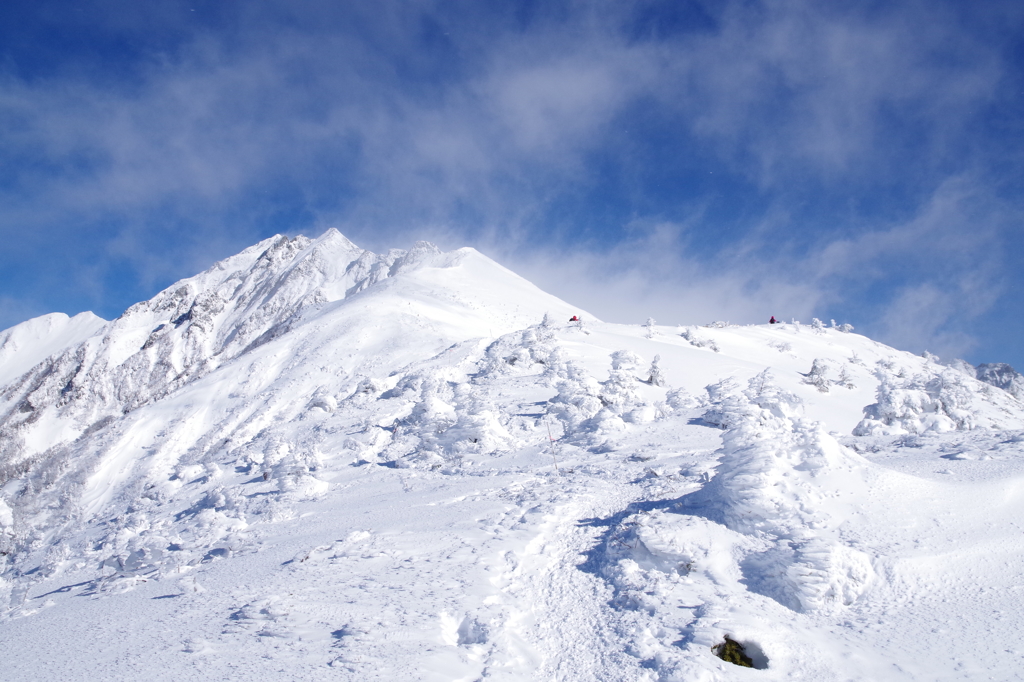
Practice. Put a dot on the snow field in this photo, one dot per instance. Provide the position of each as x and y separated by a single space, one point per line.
320 463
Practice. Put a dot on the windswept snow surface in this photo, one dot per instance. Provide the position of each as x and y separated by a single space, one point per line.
315 462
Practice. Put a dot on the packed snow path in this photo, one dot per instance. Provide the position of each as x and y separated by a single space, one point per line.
313 462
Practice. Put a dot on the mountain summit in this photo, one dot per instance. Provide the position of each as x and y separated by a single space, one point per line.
312 461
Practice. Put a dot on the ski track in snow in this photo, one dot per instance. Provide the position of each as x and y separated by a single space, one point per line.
313 462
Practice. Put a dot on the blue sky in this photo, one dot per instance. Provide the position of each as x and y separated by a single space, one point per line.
689 161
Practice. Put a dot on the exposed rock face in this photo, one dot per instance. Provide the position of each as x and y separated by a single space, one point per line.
1003 376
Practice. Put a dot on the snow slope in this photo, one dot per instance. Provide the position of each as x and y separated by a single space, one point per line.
315 462
25 345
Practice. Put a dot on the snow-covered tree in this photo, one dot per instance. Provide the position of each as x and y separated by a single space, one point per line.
844 378
655 376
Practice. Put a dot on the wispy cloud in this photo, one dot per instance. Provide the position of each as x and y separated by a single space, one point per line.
920 284
759 157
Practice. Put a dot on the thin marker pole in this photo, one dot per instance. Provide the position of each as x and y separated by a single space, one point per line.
553 458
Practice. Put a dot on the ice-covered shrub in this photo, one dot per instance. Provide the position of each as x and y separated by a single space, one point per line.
323 400
433 411
845 380
817 375
772 476
625 360
477 428
589 409
719 394
6 530
619 391
655 377
577 398
918 404
762 391
521 352
697 341
408 387
681 399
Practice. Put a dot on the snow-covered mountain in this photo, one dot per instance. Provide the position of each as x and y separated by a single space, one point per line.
312 461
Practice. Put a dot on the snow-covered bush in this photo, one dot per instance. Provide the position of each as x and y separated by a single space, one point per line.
433 412
681 399
762 391
6 529
619 391
323 400
649 328
577 399
589 409
655 377
521 352
625 360
296 472
619 395
763 488
817 376
477 428
719 394
697 341
408 387
918 404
